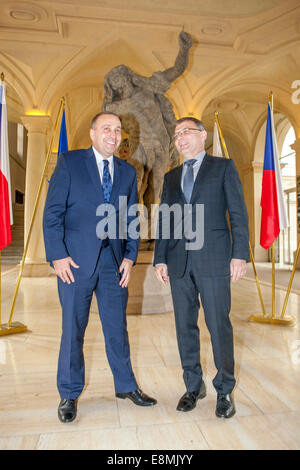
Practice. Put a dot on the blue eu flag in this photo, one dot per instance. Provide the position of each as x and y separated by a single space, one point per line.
63 139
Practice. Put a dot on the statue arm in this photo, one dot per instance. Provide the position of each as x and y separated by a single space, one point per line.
107 95
181 62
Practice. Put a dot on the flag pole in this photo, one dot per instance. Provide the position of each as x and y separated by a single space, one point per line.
2 80
271 101
3 327
290 283
273 281
250 248
0 286
9 327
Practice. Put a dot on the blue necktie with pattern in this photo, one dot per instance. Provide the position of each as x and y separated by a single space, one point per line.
188 180
106 181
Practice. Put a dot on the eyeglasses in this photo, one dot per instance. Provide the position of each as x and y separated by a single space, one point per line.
185 131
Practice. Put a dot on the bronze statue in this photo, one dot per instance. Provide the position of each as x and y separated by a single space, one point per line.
148 119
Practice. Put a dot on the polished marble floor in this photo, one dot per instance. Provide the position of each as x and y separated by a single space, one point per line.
267 394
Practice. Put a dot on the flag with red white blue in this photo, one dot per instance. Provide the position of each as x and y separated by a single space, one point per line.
274 215
6 218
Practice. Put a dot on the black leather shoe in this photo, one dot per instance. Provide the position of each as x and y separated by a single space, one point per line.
189 400
138 398
67 410
225 406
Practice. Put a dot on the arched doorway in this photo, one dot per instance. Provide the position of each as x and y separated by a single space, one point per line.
287 241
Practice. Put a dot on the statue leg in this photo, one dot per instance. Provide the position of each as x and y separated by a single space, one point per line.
152 196
138 160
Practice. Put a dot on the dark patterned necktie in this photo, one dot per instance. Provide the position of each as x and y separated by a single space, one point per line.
106 181
188 180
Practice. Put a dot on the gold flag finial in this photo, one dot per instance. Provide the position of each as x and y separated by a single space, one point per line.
2 76
271 100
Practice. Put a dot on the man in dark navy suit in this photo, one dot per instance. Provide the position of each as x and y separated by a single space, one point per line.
206 267
85 185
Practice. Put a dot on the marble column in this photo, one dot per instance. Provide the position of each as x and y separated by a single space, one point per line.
296 146
37 127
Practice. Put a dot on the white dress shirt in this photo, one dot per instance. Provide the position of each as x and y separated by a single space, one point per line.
100 164
199 157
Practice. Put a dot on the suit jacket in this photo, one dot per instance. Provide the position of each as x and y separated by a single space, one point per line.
70 219
218 188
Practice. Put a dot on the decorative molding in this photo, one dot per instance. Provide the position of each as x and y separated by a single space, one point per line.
228 105
194 8
24 12
264 32
257 166
296 146
36 124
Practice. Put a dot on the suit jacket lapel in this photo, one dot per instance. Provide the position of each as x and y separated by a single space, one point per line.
177 175
93 171
201 174
116 181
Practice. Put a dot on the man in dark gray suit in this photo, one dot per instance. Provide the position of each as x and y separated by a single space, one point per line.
202 190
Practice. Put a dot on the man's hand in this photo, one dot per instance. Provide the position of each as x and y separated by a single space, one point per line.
161 272
126 266
63 270
238 268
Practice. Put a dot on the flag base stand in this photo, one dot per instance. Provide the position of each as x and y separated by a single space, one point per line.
286 321
15 327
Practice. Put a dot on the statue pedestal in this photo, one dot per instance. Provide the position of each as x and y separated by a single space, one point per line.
146 293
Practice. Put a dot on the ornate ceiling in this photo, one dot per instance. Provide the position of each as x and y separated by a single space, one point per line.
242 51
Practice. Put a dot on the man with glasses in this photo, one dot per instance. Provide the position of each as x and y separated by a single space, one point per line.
214 183
86 262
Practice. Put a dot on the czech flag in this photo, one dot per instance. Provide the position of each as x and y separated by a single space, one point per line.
274 215
6 218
